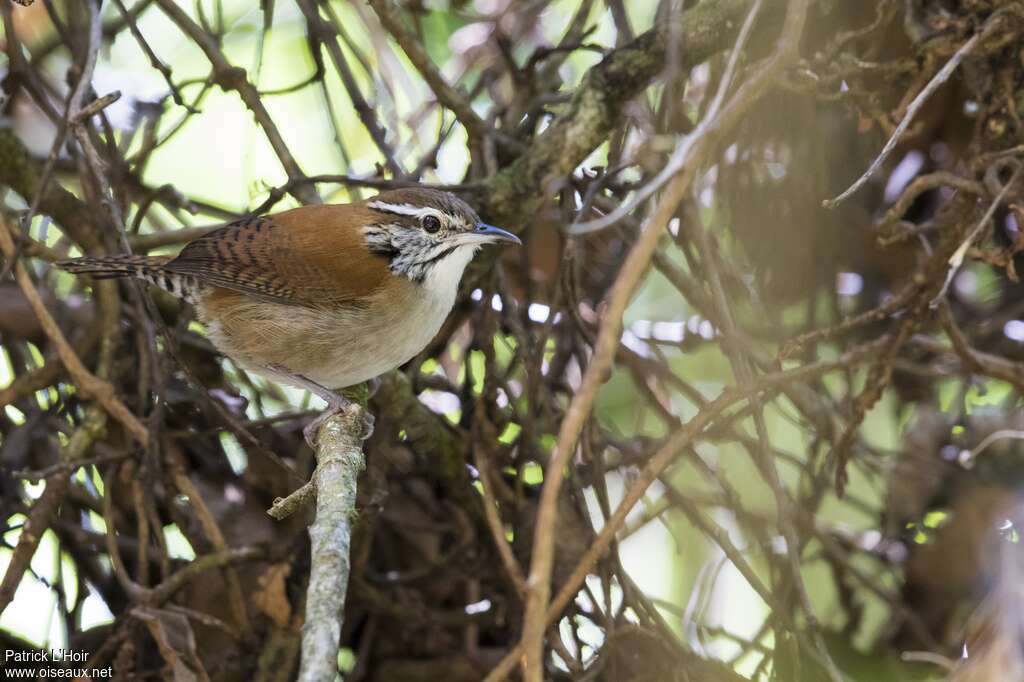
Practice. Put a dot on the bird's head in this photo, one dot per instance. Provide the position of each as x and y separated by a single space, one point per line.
428 234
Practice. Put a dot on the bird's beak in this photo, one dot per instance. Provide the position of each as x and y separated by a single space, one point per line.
489 234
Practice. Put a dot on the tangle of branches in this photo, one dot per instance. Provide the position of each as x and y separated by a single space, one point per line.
746 406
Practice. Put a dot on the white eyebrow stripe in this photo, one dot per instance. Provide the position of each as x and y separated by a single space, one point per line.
404 209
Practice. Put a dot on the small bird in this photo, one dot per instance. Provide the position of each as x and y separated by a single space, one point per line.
322 297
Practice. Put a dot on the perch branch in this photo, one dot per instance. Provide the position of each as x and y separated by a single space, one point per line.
339 457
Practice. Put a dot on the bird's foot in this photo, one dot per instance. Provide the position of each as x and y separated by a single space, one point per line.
368 422
335 406
336 402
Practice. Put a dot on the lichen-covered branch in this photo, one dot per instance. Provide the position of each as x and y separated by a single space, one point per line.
339 455
597 105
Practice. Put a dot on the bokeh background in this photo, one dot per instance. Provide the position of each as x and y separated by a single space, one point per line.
819 406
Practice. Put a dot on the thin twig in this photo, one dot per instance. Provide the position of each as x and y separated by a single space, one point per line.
445 93
661 459
941 77
87 383
703 142
957 259
231 77
96 106
681 155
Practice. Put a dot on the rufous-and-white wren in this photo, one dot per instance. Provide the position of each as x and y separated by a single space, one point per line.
322 297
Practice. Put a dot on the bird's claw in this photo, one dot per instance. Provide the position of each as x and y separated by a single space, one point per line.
312 429
368 422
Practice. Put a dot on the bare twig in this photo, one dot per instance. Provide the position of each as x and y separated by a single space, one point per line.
957 259
661 459
703 141
681 155
87 383
941 77
446 94
231 77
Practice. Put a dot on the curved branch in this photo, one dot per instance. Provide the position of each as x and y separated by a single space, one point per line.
512 195
696 149
87 383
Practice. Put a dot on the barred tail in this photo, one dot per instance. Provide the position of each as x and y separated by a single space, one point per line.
147 268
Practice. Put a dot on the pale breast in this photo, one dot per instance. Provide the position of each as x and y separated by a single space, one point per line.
336 347
399 328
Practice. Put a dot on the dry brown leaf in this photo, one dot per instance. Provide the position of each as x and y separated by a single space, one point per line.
271 598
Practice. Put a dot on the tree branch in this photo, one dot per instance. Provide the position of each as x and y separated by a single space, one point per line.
512 195
340 458
87 383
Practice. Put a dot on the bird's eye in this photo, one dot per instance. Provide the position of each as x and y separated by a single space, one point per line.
431 223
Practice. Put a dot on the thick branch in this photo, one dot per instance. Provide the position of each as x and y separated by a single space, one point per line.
339 457
339 461
594 111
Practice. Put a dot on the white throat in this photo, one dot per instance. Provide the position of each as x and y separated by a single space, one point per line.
442 281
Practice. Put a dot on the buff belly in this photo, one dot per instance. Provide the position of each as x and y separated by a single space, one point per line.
334 347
